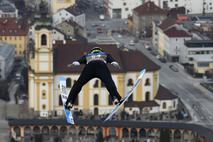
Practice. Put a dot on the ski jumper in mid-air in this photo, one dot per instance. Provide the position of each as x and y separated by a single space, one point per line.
95 67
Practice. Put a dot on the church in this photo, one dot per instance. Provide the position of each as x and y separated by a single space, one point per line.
48 61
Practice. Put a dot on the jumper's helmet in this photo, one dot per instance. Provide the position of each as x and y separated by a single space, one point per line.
96 50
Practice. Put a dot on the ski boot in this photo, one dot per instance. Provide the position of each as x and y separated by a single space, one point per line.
68 105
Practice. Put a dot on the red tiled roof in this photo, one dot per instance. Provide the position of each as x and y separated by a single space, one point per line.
149 8
174 32
71 51
164 94
13 27
167 23
140 104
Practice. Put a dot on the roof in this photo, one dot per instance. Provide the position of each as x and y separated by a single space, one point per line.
199 43
176 32
6 6
73 23
140 104
13 27
149 8
201 130
167 23
164 94
129 60
74 10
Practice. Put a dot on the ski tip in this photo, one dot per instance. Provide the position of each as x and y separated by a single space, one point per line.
142 73
143 70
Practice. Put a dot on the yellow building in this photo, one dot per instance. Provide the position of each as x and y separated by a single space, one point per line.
60 4
14 31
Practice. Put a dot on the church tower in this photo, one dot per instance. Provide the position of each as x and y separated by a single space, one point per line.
41 71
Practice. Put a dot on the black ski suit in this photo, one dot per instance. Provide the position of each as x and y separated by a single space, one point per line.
95 68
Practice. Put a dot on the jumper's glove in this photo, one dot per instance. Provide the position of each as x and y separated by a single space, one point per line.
115 64
75 63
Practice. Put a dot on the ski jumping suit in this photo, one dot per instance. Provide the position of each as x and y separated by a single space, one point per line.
95 68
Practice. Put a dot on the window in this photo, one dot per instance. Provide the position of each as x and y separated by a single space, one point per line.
96 99
43 84
60 101
43 94
147 96
43 106
110 100
176 5
124 3
5 38
147 83
43 39
126 9
191 59
203 64
164 105
68 82
95 84
174 104
130 82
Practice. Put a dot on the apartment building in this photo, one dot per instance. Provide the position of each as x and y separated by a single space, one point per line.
192 7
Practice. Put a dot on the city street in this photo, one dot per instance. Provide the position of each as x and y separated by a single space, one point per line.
197 99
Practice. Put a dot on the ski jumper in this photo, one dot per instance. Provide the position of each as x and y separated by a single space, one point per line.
95 68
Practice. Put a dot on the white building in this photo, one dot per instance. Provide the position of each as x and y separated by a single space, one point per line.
57 35
192 6
7 56
121 8
8 10
70 13
199 54
170 38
